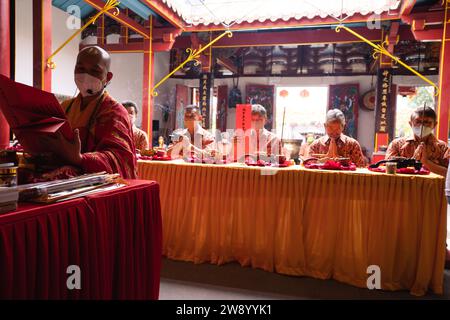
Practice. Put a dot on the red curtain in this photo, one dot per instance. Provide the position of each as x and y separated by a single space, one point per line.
114 237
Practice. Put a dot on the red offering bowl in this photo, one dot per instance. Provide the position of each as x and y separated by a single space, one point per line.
262 163
331 165
164 158
160 153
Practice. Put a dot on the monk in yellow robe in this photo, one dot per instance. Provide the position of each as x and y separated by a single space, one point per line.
103 133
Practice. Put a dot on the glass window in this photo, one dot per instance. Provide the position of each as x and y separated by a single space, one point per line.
406 103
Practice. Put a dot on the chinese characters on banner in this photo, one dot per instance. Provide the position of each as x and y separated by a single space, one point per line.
206 83
243 122
243 116
385 109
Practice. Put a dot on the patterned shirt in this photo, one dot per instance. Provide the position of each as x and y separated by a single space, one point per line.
436 150
346 147
140 139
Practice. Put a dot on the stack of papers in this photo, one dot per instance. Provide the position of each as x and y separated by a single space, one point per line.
59 190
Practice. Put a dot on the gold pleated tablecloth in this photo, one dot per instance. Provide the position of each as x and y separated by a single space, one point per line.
301 222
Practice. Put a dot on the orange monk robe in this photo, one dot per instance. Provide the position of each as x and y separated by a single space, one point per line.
106 135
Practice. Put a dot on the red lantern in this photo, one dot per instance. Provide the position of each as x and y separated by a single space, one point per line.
304 93
284 93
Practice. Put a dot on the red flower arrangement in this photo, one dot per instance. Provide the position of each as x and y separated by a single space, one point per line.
331 165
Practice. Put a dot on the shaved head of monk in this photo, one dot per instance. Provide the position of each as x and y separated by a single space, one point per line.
94 61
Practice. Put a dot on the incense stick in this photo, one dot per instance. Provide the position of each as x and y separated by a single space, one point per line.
282 130
423 114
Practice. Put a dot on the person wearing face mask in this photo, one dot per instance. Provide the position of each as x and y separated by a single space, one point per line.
103 132
193 139
139 136
261 141
422 144
335 144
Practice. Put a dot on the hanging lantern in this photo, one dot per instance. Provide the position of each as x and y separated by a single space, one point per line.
304 93
284 93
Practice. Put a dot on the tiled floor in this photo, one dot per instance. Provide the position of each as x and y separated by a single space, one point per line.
188 281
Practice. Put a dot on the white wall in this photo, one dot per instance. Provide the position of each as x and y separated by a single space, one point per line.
127 78
24 42
128 81
62 76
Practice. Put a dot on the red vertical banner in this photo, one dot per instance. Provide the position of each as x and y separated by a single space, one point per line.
243 123
243 116
42 44
5 61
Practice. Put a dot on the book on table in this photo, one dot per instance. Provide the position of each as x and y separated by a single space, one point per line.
32 113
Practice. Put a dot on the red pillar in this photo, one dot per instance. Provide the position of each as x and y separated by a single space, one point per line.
42 44
147 83
101 40
444 80
5 60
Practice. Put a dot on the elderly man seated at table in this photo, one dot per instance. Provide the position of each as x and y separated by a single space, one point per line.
422 144
335 144
193 139
261 141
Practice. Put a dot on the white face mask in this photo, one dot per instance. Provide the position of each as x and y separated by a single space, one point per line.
88 85
426 131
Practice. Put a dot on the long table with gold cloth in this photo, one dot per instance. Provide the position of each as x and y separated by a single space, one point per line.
301 222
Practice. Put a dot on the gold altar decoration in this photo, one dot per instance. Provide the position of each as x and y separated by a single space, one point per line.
193 56
380 50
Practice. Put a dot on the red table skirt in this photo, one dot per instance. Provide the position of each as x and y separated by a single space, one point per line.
114 237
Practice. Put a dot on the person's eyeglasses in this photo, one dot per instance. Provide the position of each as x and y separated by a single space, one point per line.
427 123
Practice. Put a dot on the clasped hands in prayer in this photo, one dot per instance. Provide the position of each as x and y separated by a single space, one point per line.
331 154
420 154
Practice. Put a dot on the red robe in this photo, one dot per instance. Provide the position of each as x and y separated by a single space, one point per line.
106 135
